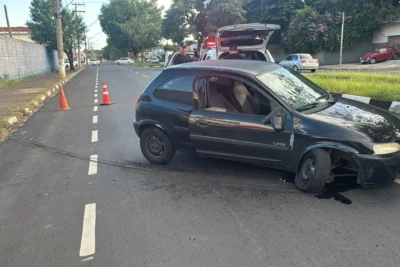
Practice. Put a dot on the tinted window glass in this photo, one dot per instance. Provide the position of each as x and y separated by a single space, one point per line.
241 42
178 89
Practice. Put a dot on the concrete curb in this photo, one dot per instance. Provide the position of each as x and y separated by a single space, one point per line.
392 106
45 95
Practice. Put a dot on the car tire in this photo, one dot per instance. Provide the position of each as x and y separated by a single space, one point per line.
373 60
156 146
313 71
395 57
314 171
118 63
296 69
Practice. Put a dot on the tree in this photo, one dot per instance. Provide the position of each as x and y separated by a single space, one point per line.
131 25
272 11
43 27
201 18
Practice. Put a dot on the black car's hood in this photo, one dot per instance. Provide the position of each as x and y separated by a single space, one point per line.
372 122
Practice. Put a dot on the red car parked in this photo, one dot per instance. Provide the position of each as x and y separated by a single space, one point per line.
380 53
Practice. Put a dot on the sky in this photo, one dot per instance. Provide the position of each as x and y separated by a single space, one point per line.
18 14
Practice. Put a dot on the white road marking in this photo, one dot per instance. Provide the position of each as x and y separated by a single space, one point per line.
95 119
95 136
95 101
397 181
95 95
96 87
88 259
88 241
95 108
136 72
95 90
144 75
92 165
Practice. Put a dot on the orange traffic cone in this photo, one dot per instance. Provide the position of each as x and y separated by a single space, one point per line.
63 100
106 96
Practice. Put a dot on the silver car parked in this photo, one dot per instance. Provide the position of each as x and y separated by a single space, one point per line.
300 62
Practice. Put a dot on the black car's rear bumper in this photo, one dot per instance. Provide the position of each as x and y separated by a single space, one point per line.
378 169
136 126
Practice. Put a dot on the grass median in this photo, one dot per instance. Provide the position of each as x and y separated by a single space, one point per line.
377 86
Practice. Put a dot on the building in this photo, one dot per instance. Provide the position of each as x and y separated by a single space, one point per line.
388 34
20 32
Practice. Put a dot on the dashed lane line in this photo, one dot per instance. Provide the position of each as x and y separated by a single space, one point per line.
95 136
95 101
93 165
95 95
95 90
144 75
88 240
136 72
95 108
95 119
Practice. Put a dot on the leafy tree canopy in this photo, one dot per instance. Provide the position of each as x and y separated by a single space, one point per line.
131 25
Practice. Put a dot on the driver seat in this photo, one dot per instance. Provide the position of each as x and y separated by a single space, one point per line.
247 103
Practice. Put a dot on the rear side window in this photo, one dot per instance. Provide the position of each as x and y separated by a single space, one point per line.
178 89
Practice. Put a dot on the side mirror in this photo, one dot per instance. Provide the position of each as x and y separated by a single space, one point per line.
278 123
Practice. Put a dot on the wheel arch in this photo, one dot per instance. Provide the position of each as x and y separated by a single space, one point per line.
327 146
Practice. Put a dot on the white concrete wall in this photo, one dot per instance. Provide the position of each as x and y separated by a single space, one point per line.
381 35
20 58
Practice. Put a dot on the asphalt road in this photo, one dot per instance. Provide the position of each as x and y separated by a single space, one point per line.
57 208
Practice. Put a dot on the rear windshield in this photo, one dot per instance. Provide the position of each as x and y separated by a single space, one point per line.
241 42
305 56
260 33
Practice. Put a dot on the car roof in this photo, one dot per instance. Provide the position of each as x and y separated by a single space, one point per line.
253 67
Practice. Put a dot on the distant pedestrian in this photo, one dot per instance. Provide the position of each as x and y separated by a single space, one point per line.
181 57
234 53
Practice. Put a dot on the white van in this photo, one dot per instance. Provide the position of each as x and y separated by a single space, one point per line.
251 40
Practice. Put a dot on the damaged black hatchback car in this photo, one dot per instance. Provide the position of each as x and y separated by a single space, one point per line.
265 114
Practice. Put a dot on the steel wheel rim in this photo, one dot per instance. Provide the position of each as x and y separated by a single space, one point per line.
155 146
308 169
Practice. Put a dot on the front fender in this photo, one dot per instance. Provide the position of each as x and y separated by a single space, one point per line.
326 145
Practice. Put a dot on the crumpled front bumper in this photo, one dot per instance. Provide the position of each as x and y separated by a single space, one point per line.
378 169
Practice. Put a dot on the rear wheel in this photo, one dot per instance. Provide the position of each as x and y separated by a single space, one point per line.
395 57
296 69
373 61
156 146
313 172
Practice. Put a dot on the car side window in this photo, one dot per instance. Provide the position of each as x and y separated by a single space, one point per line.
295 57
389 49
177 89
234 96
289 58
382 50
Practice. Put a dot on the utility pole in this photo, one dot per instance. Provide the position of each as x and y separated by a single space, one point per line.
8 23
341 45
60 45
77 37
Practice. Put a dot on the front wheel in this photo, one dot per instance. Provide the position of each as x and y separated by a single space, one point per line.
314 171
395 57
118 63
156 146
313 71
296 69
373 61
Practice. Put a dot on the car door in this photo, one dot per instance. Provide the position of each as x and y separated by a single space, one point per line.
216 132
382 54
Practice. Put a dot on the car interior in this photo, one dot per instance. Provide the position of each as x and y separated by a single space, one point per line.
232 96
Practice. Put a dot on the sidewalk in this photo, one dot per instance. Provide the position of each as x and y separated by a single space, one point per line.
380 66
29 94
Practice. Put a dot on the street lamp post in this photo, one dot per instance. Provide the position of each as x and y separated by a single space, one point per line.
341 45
